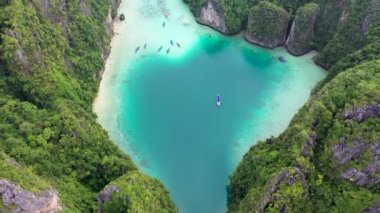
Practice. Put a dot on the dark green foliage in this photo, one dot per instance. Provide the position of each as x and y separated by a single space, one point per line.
340 30
267 23
122 17
343 27
50 59
321 119
194 5
305 13
138 192
24 177
291 191
236 11
368 53
300 38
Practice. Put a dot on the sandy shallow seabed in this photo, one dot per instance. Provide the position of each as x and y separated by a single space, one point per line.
144 25
281 104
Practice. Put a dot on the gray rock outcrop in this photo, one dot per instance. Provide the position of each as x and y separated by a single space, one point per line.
360 178
22 200
105 195
302 30
360 114
307 149
343 153
374 209
289 178
211 15
367 176
108 22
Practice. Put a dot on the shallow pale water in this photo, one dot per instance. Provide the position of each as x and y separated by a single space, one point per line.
160 108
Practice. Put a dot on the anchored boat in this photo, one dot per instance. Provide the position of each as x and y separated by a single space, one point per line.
218 100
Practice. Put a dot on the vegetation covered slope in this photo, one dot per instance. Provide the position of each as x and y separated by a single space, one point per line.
333 141
131 193
340 29
267 24
328 159
51 56
301 33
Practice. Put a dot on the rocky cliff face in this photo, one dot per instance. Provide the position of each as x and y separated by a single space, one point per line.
289 179
50 58
16 199
343 28
112 11
302 31
335 30
267 25
367 176
362 113
334 140
211 15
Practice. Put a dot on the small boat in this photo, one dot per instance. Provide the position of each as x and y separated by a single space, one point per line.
178 45
218 100
145 46
167 51
171 42
163 24
159 49
281 59
137 49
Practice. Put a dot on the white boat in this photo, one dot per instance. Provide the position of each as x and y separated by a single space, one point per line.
218 100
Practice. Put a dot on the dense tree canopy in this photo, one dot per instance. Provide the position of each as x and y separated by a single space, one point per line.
327 159
320 121
51 55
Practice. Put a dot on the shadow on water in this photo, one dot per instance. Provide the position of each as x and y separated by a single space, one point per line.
212 44
257 57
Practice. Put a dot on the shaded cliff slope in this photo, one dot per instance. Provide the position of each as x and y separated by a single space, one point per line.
336 29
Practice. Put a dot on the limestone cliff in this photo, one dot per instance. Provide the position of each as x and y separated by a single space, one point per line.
211 15
301 34
343 27
289 183
267 25
51 56
336 30
17 199
334 141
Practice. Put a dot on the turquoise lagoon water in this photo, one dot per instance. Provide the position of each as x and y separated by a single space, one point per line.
160 108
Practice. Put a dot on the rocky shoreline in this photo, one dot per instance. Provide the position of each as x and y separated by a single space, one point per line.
296 40
270 26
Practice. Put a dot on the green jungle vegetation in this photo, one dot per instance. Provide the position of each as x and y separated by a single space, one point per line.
272 25
325 161
339 30
51 56
303 29
320 122
135 192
